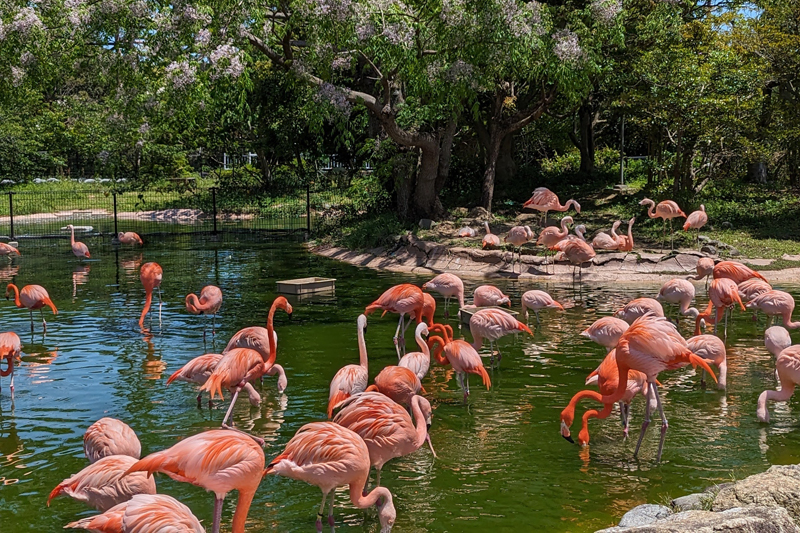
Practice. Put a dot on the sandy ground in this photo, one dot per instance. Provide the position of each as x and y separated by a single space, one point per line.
429 258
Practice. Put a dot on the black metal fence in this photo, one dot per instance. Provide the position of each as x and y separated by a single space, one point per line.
97 212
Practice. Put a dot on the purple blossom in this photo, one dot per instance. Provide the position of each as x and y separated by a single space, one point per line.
337 10
110 7
191 15
144 128
203 37
17 76
458 71
567 47
453 12
227 61
139 9
365 30
340 63
433 70
335 96
73 4
606 11
25 21
27 59
181 75
398 33
521 20
3 29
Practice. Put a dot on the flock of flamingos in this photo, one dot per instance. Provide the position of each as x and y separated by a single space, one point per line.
370 424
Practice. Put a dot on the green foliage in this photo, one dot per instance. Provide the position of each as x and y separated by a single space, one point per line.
379 230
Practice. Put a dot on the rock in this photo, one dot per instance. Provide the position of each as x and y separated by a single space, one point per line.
479 213
703 238
528 218
425 223
727 225
733 252
777 487
708 249
643 515
698 501
736 520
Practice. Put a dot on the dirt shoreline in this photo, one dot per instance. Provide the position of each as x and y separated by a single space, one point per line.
415 256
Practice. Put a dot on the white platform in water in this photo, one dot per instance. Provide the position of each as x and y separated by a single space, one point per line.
306 285
467 312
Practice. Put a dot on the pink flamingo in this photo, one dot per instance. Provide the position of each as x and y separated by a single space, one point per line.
401 299
723 293
679 292
257 338
705 269
577 252
537 300
386 427
208 304
32 297
625 242
217 460
104 484
696 220
351 379
398 383
666 210
144 513
735 271
198 371
8 250
467 232
449 286
712 350
428 312
517 237
650 345
129 237
544 200
606 331
10 350
751 288
604 241
461 355
788 368
80 250
489 296
490 240
776 303
150 275
109 436
550 236
638 308
328 455
240 365
418 362
492 324
776 340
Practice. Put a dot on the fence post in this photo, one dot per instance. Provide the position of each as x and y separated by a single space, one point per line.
116 232
308 209
214 207
11 213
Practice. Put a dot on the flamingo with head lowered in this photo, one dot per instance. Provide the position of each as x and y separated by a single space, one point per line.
208 304
150 274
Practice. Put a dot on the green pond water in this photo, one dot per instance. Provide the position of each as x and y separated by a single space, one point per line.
502 464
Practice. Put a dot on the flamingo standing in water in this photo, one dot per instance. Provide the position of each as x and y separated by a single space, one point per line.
10 349
144 513
651 345
517 237
449 286
32 297
705 269
776 303
109 436
723 293
257 338
666 210
489 296
751 288
351 379
490 240
538 300
550 236
696 220
788 368
198 371
129 237
398 383
461 355
544 200
328 455
606 331
604 241
104 484
418 362
150 274
712 349
776 340
208 304
241 365
80 250
217 460
492 324
401 299
638 308
735 271
8 250
679 292
385 426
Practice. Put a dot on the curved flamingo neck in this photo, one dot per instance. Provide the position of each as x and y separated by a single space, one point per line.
242 508
614 231
72 236
564 230
361 501
362 349
148 300
437 351
270 333
486 225
16 294
194 302
461 297
419 422
568 414
583 435
423 347
10 366
787 321
651 211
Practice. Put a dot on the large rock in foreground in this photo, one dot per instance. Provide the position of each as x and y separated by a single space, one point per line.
777 487
736 520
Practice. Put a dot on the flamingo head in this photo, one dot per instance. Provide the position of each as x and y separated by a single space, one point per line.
70 227
567 220
577 206
362 323
505 300
386 514
282 303
566 421
422 329
647 201
282 382
583 436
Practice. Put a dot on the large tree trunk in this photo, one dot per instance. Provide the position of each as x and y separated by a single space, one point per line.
426 200
506 167
445 154
587 143
757 172
493 151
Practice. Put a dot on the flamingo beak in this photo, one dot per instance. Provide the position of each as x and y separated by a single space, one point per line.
565 432
430 444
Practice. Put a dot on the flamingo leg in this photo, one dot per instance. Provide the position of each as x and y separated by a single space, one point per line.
31 311
703 378
230 408
214 325
321 511
727 312
536 312
664 423
644 428
378 477
199 399
447 307
217 514
44 323
159 307
331 521
671 237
